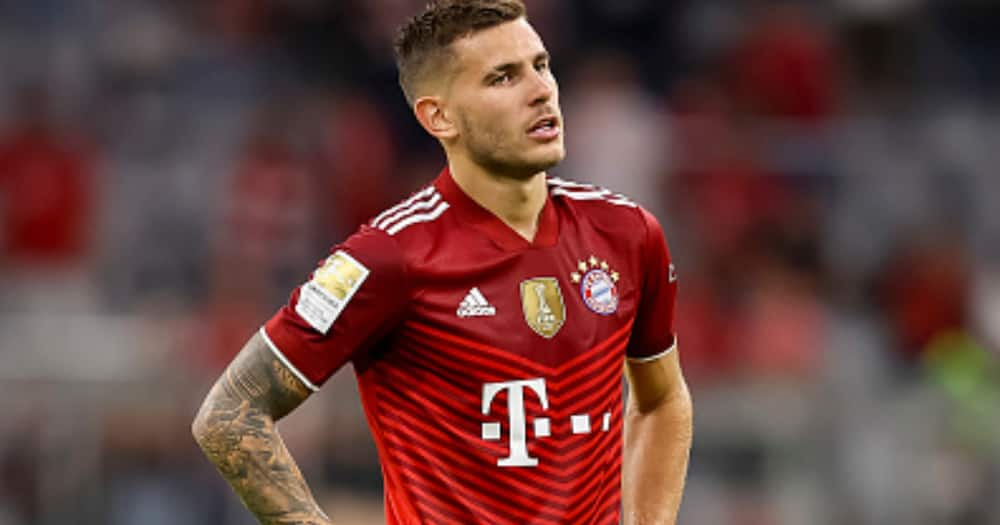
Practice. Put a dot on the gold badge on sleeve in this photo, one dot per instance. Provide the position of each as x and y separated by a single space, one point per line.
341 275
543 306
322 299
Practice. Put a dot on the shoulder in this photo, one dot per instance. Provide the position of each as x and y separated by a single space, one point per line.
590 193
604 208
613 214
413 224
418 210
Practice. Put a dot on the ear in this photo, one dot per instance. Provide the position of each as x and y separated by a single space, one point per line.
431 114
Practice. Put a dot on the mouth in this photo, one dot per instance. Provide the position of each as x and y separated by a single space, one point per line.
545 129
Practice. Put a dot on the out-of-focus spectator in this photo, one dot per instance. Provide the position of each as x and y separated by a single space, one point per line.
985 304
786 67
881 40
357 161
795 153
719 184
264 244
19 475
617 136
241 22
48 192
781 331
924 289
47 189
270 210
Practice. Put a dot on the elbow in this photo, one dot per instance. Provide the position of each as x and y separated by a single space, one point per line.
201 426
682 404
685 409
674 409
676 401
682 398
677 406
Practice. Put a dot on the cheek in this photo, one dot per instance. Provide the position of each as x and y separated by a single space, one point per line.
489 120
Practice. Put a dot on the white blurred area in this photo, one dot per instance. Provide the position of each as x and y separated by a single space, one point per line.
825 174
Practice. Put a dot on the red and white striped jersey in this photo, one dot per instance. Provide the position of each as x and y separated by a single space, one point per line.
490 367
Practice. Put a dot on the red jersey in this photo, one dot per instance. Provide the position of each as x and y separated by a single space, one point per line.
490 367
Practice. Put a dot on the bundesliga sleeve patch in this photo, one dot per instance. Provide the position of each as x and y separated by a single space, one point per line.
322 299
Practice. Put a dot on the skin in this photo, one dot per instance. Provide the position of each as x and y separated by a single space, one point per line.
236 429
480 109
501 84
658 432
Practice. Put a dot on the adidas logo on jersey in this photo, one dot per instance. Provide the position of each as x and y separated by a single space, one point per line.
475 305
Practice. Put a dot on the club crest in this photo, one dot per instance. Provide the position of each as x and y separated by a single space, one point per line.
598 285
543 305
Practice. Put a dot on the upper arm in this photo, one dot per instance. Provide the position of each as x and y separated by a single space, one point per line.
258 378
655 381
653 330
653 367
353 299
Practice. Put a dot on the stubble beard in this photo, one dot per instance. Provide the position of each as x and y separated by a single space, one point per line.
493 152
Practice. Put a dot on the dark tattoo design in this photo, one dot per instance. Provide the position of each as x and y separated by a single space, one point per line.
235 427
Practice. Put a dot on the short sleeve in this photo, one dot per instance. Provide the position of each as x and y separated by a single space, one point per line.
351 301
653 332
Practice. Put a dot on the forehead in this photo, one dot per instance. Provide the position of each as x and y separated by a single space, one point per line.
508 42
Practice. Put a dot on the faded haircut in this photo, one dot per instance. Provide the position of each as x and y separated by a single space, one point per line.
423 46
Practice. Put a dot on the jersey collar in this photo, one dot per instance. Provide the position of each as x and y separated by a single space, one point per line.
470 212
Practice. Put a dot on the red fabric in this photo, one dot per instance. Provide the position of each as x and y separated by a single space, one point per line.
423 369
786 69
375 307
270 203
46 204
925 293
359 155
654 325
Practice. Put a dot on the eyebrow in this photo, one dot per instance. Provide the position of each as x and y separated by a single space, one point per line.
508 67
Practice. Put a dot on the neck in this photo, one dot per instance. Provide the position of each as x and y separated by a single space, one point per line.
515 201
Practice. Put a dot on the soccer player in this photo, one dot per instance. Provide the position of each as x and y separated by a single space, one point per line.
488 317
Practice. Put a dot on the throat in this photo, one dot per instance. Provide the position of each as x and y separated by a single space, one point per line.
518 203
526 230
520 211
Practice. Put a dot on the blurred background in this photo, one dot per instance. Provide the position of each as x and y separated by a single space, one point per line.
825 173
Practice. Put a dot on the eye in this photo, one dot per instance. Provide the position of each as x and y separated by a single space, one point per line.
542 65
503 78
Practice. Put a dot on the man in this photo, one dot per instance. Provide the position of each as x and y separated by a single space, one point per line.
488 318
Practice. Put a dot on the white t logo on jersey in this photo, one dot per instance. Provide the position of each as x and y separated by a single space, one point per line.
518 455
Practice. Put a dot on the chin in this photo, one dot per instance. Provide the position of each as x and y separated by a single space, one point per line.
531 167
553 159
528 164
548 156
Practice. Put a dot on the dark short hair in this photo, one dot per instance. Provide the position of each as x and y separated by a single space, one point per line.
423 43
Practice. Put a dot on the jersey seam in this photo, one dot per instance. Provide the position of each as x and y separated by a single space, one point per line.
644 269
654 357
405 264
287 362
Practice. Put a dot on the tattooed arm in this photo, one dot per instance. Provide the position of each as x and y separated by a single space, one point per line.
236 429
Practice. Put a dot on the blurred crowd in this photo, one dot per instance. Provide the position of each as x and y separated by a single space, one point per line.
170 170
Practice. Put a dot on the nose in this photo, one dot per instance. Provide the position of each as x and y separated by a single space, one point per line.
543 87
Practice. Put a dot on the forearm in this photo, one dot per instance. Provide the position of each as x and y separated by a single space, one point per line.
243 443
236 428
657 445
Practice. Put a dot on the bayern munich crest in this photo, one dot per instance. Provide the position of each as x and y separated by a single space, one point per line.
598 285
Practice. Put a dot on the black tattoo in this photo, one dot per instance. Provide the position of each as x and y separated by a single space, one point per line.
235 427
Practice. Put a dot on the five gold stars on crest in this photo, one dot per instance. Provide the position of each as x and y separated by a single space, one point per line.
591 264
